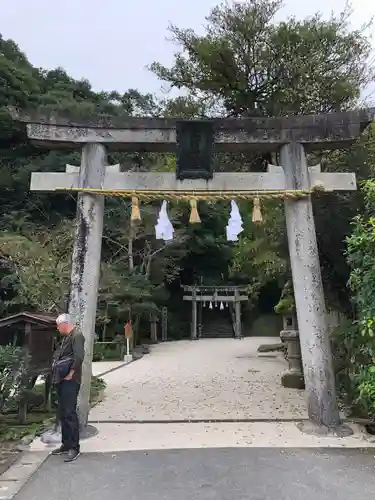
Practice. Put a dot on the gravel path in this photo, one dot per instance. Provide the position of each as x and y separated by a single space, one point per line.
207 379
212 379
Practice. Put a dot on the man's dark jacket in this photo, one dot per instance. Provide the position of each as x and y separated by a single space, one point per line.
72 346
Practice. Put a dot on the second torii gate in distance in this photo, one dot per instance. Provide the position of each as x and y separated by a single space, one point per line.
291 136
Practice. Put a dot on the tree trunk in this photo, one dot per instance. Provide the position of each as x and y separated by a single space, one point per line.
130 247
136 329
148 267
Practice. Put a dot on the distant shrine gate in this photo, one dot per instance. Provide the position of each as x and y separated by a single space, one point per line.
193 141
215 297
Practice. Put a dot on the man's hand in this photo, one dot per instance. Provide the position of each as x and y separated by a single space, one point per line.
69 376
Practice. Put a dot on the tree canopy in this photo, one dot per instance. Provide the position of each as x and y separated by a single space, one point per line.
253 66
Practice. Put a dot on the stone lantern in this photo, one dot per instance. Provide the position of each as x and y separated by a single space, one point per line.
293 378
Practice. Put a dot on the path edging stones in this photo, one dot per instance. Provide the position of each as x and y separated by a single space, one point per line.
18 474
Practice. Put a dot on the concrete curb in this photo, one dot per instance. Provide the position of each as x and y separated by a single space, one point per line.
100 375
20 473
126 362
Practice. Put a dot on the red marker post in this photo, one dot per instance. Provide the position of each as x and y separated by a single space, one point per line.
128 329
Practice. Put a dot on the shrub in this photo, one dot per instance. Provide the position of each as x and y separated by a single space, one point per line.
107 351
356 342
286 304
13 367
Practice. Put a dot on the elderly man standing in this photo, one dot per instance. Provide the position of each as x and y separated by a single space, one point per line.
66 374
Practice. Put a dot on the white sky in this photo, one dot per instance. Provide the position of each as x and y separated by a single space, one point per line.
111 42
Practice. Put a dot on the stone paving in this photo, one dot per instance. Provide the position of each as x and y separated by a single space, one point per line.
8 455
215 474
155 438
207 379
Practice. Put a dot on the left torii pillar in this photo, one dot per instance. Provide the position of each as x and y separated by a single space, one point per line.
86 261
86 253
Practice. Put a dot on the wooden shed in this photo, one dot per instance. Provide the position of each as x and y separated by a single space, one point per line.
35 333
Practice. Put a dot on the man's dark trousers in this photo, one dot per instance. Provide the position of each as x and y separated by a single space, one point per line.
67 394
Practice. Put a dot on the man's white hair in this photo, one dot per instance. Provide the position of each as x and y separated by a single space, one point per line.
64 318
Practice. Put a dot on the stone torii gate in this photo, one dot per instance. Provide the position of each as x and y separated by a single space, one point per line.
218 294
291 136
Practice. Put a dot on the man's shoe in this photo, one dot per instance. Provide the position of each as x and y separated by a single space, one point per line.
60 451
72 455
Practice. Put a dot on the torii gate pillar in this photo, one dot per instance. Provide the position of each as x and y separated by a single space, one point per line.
86 261
308 292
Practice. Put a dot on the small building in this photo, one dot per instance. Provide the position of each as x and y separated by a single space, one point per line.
36 334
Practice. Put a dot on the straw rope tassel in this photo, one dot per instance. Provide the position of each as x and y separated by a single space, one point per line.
194 215
257 212
136 214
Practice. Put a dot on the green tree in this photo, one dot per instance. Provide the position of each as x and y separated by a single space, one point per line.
246 64
35 257
334 213
261 254
257 67
355 342
13 367
41 268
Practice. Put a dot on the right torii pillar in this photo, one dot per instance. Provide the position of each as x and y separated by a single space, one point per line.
308 292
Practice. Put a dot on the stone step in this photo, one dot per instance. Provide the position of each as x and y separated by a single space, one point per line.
216 335
217 332
222 329
219 328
